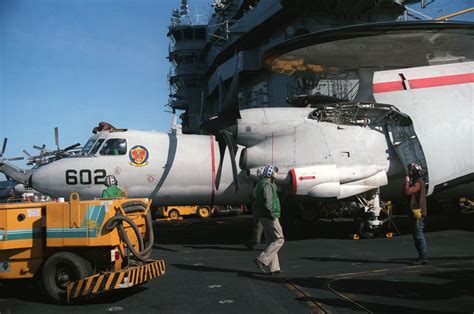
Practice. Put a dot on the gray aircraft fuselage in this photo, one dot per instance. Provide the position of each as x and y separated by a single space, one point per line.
318 157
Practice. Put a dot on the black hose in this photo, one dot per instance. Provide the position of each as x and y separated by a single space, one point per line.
134 206
117 222
151 235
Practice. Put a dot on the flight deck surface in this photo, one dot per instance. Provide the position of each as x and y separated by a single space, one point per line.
210 271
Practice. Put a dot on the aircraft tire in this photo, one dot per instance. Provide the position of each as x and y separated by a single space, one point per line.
363 230
308 213
60 268
173 214
203 212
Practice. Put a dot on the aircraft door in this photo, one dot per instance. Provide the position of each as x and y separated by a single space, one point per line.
407 146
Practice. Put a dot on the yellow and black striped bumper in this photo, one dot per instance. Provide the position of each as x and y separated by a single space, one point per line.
124 278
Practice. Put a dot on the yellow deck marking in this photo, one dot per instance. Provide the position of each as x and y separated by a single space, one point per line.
314 306
382 270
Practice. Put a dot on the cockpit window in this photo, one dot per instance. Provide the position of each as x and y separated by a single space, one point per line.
114 147
96 147
88 146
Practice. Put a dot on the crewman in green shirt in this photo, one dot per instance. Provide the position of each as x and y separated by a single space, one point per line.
112 190
268 213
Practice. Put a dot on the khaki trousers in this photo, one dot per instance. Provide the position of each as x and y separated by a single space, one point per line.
274 235
257 233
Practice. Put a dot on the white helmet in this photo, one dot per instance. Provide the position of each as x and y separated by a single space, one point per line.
110 180
260 171
415 169
268 171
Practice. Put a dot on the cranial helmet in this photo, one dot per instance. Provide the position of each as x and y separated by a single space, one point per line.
268 171
415 169
260 171
110 180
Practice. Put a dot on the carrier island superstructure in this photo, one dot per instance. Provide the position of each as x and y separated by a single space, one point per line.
204 57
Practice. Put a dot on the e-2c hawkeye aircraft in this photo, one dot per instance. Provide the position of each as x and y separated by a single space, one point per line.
414 104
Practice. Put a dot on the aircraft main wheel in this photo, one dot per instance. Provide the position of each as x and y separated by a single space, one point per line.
364 231
61 268
174 214
204 212
307 213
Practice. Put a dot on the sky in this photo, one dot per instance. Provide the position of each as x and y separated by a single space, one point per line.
72 63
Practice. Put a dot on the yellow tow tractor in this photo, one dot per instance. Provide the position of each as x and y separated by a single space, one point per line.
78 248
175 212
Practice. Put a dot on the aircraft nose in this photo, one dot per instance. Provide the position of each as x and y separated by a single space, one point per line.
41 179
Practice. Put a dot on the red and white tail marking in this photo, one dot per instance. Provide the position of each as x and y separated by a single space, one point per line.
436 81
423 77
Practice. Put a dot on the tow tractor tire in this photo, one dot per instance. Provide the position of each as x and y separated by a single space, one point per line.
59 269
203 212
173 214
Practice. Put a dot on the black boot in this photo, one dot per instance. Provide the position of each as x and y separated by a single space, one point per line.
422 260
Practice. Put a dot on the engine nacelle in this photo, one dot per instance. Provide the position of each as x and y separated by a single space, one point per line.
325 181
252 157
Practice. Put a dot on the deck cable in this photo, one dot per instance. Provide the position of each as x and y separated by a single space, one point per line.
315 306
346 298
327 285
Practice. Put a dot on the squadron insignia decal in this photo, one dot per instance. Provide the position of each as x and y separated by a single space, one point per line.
138 156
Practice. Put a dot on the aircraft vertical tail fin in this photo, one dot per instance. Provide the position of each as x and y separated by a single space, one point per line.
440 101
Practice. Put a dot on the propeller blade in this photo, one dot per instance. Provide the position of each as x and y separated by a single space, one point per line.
216 125
222 90
229 110
72 147
15 158
230 142
5 140
224 126
56 137
222 146
40 148
229 106
27 154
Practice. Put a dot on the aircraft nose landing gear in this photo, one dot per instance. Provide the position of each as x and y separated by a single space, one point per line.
372 220
370 226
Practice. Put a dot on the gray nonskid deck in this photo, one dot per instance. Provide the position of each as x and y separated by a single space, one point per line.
209 270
